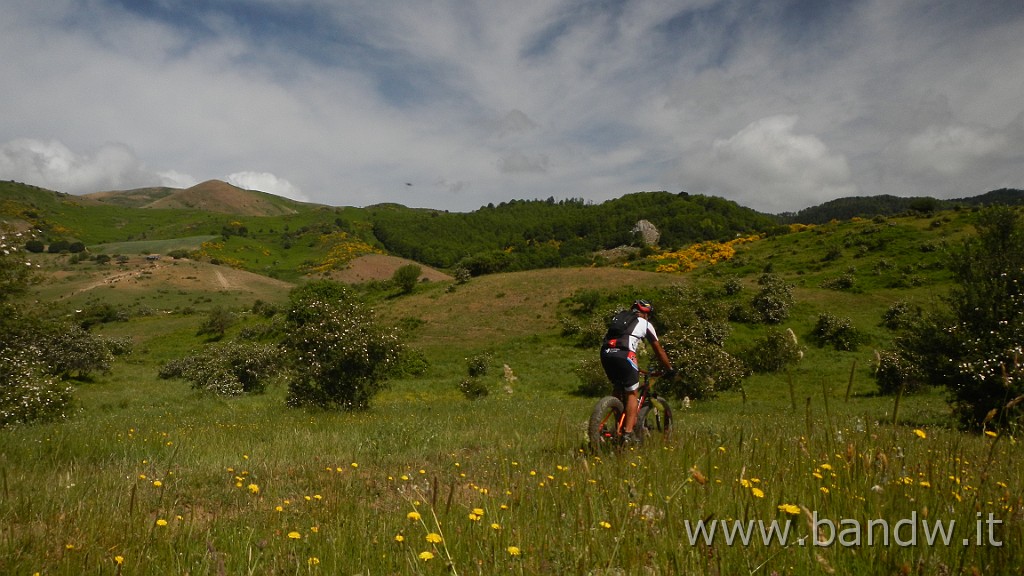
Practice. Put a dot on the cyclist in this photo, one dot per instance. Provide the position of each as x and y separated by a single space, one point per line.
618 357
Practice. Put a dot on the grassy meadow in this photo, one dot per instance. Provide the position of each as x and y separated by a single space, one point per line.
150 477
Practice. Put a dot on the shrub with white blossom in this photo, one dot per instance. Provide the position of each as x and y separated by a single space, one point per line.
228 368
341 356
27 391
975 343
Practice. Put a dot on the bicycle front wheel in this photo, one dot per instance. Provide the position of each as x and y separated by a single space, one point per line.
654 418
604 421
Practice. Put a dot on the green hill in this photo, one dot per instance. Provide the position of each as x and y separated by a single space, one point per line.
438 482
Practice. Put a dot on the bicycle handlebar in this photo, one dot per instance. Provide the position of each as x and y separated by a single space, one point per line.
653 373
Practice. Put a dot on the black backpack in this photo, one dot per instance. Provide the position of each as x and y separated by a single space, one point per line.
621 324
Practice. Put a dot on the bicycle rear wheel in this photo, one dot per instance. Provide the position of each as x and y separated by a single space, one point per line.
655 417
604 421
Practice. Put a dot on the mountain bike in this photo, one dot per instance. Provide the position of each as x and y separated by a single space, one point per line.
606 420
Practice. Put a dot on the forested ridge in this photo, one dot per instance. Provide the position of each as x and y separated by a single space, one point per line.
509 236
522 234
888 205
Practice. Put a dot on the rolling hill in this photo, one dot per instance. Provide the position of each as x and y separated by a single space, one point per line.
267 235
211 196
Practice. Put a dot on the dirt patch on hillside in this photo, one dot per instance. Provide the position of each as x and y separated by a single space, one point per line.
141 274
382 267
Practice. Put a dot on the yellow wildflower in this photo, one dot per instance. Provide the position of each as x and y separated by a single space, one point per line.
789 508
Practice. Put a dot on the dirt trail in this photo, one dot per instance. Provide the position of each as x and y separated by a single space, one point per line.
222 280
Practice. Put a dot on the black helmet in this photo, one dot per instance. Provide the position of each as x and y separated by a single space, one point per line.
643 306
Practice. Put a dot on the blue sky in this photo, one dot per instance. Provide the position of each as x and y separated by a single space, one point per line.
456 104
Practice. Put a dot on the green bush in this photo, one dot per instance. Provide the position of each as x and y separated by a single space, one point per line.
405 277
775 352
478 365
841 282
773 301
972 344
899 315
587 331
593 381
16 273
840 333
732 286
474 388
341 357
703 368
228 369
69 350
95 313
217 322
893 374
27 393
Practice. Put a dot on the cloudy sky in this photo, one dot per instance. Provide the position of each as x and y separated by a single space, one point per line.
453 104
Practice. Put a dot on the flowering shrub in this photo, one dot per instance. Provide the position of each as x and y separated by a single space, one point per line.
15 269
475 386
593 381
27 393
775 352
70 349
341 357
702 368
842 282
973 345
838 332
899 315
693 329
341 249
894 373
773 300
688 258
228 369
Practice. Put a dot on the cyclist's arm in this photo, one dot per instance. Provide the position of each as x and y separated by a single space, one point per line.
662 356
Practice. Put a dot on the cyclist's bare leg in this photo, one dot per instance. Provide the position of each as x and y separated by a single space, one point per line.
629 399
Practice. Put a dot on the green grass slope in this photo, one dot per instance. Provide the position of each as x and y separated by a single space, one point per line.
149 477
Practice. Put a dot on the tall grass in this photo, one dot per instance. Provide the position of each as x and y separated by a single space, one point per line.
150 477
163 480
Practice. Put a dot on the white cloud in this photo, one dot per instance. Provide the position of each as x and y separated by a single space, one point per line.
770 167
952 149
53 165
345 102
266 182
175 179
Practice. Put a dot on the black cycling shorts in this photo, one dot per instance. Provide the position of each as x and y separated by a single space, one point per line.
621 368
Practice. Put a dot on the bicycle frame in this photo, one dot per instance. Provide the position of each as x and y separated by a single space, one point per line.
643 393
